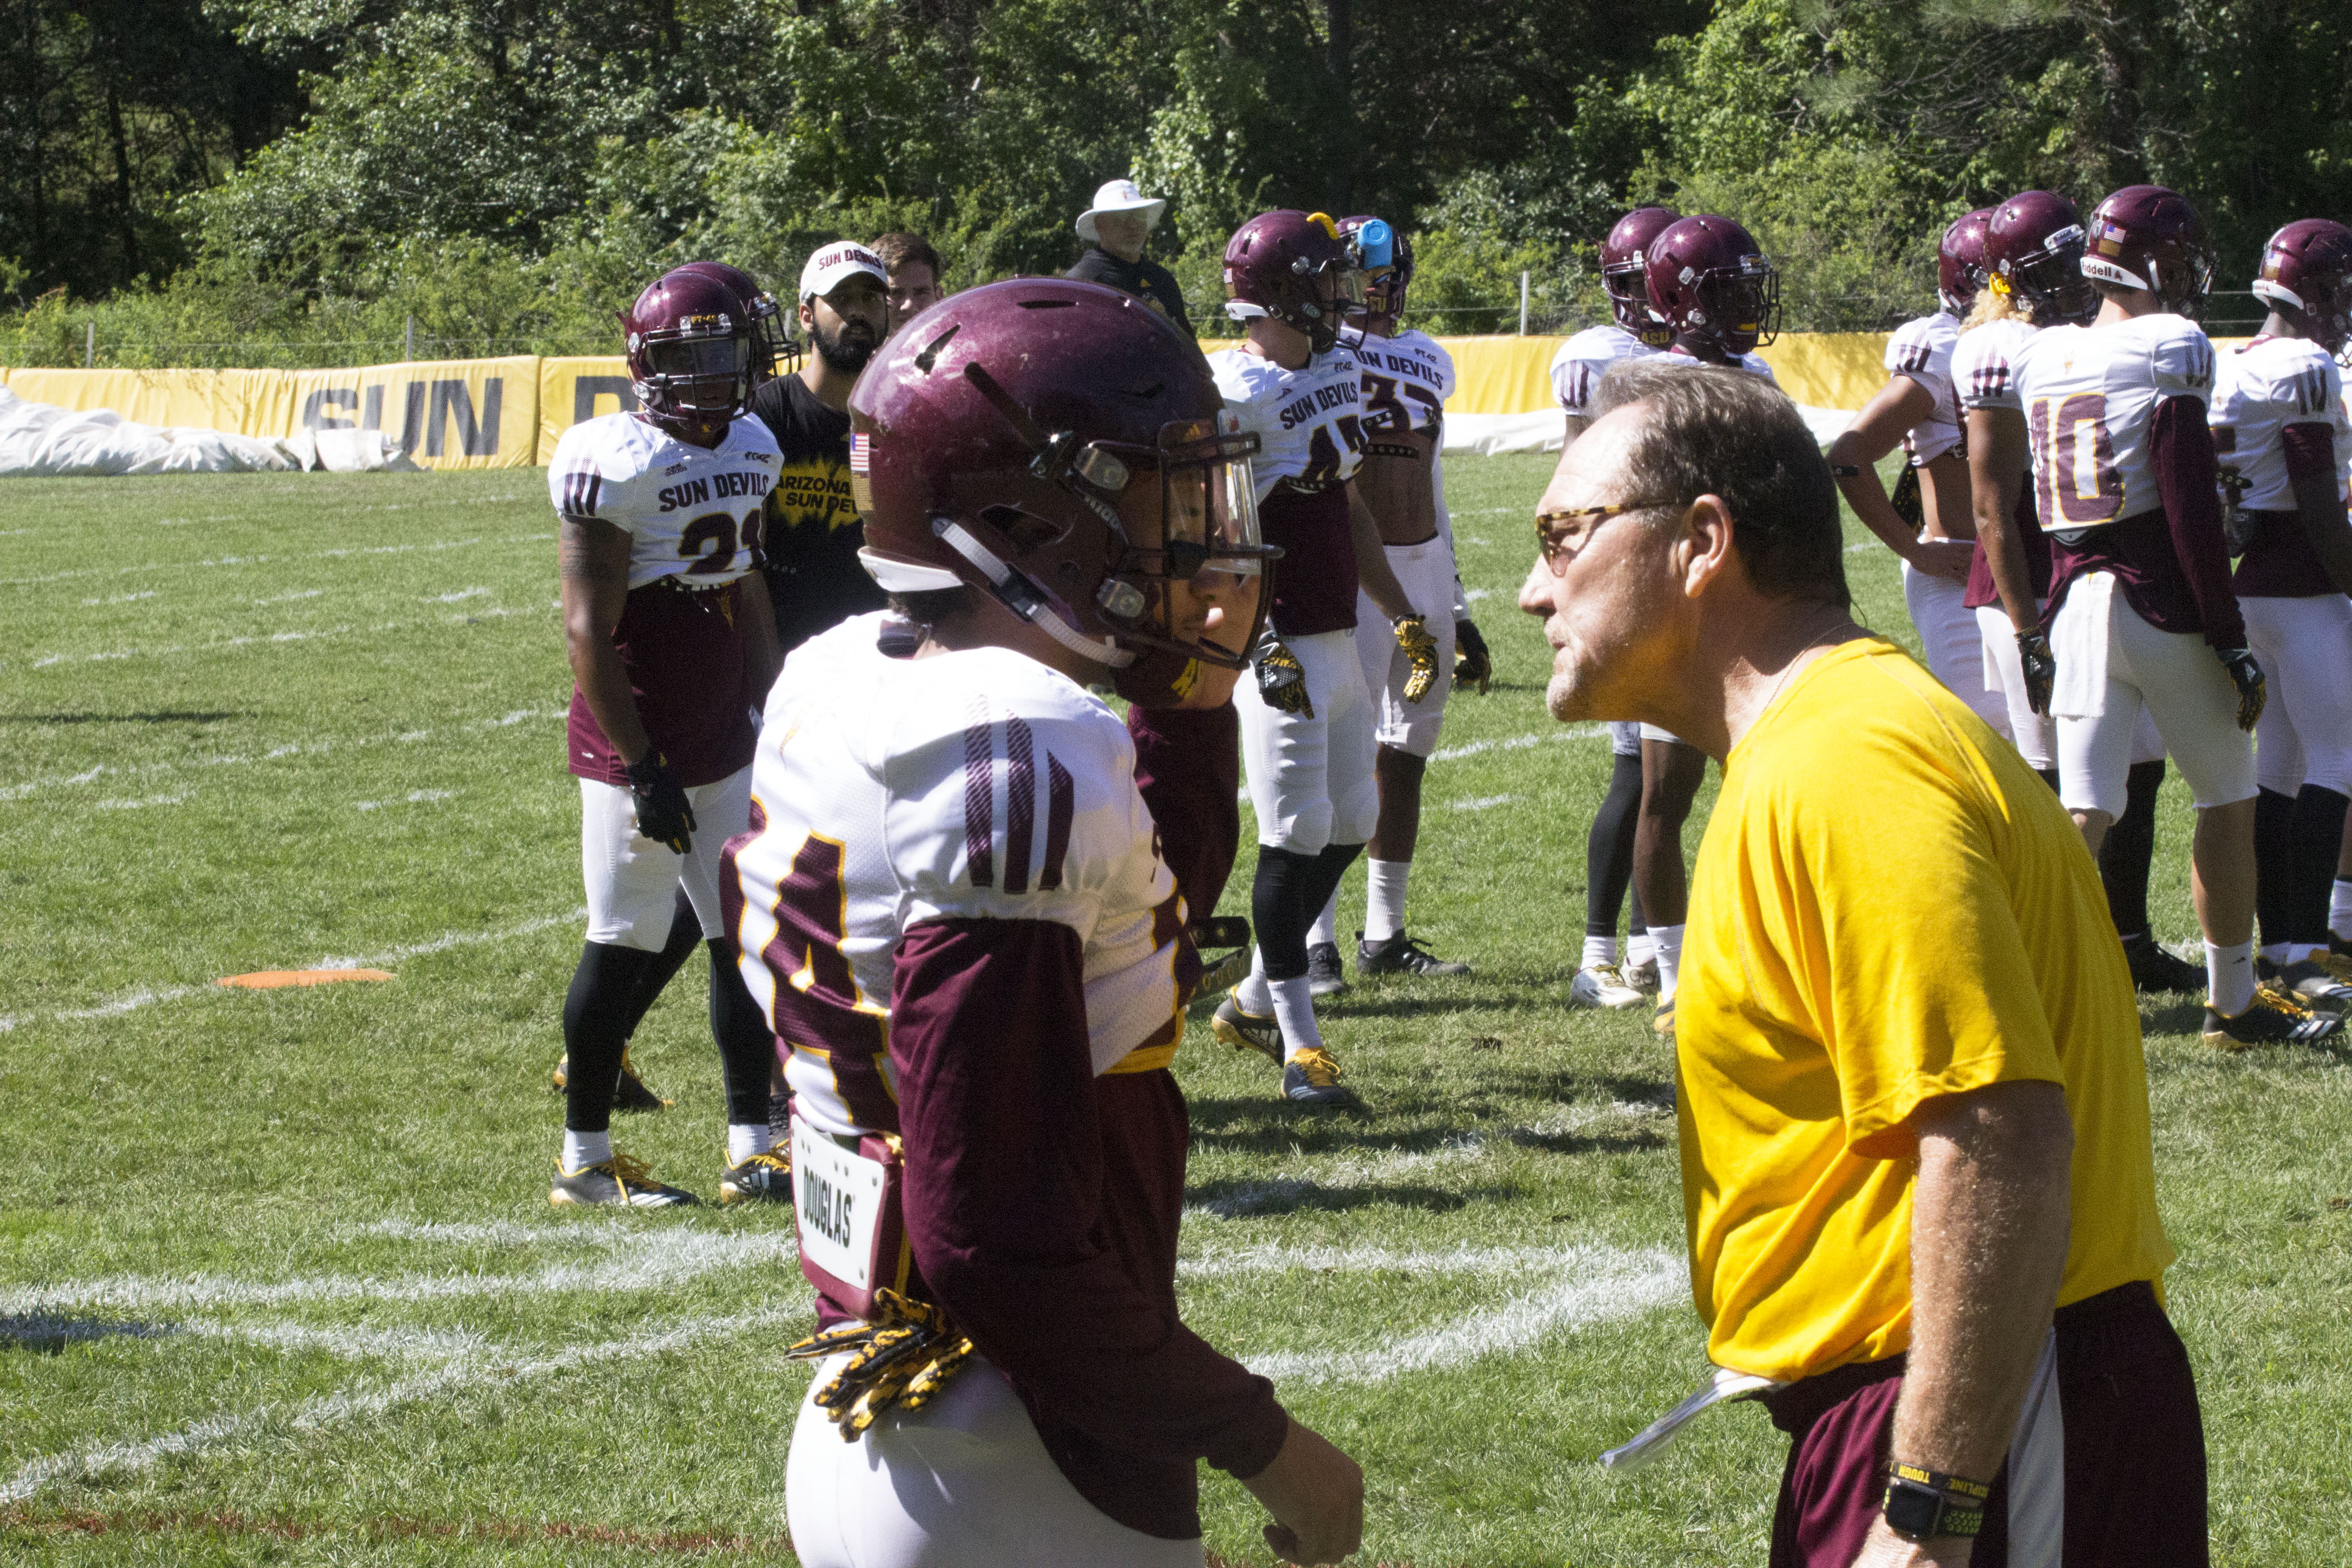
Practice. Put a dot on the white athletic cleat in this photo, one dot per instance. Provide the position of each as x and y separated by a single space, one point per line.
1602 985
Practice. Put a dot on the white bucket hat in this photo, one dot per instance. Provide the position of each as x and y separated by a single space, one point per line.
1119 197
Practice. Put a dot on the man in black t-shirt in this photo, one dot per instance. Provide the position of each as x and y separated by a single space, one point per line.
1116 226
814 580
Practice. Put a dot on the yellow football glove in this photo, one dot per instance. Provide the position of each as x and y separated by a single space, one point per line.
1413 636
1281 678
900 1361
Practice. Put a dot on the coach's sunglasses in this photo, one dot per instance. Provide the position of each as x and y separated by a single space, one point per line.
1562 535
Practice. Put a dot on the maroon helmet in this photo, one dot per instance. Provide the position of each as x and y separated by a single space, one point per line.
1294 267
776 353
1712 286
1384 257
1961 267
2308 267
1063 446
1623 256
2147 237
691 350
2033 250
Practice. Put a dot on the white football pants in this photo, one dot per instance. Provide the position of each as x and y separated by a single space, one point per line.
964 1482
1311 780
1953 645
630 878
2305 733
2113 666
1426 572
2036 735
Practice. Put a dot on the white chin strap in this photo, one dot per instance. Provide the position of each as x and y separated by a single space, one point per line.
1020 597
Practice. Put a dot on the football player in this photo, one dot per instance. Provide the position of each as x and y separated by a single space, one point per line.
952 908
2032 247
2278 433
1576 371
1306 720
1407 377
2110 420
1919 410
672 646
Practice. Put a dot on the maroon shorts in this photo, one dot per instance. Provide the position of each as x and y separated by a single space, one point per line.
1188 765
2133 1450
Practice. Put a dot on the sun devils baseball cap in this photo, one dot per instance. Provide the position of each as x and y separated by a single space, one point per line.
831 264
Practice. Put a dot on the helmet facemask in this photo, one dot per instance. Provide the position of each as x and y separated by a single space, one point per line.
699 371
2051 281
1739 311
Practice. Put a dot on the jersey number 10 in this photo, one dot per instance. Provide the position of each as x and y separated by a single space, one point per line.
2076 481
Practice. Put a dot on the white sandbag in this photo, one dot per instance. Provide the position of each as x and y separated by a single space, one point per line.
1543 431
38 439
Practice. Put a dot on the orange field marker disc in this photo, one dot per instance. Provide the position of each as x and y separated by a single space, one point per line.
271 979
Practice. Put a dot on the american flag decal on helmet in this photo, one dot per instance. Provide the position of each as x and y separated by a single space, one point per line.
861 452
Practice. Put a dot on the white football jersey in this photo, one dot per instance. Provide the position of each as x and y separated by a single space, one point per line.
1754 364
2090 396
1922 349
1584 359
1984 368
890 792
1309 421
2258 391
688 512
1407 379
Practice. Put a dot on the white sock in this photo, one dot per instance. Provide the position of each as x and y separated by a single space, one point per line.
2276 953
1598 950
2296 952
2339 908
747 1139
1253 995
1294 1005
1668 942
1639 949
1384 897
1325 931
2229 976
581 1149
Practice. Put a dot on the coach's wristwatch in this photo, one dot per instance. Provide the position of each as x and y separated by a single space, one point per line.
1922 1504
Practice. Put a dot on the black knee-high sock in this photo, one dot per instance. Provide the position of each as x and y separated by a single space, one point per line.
685 936
1288 893
2048 776
2273 865
2316 840
2129 847
595 1030
1609 848
746 1047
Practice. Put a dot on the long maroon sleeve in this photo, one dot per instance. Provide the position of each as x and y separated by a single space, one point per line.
2309 450
1043 1205
2188 480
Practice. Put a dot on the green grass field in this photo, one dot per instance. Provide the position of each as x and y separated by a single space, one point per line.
279 1280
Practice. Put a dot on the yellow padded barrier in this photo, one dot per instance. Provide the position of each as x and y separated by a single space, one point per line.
574 389
448 413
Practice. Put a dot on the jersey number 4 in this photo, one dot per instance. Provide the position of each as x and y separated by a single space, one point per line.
2076 481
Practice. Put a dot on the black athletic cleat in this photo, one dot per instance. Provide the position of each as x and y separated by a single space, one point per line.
1400 954
1323 975
1247 1031
630 1094
1312 1078
760 1179
619 1181
2274 1019
2156 968
2323 983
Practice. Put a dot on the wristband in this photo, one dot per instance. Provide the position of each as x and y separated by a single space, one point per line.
1922 1503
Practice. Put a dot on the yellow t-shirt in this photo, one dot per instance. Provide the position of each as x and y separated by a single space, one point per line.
1889 906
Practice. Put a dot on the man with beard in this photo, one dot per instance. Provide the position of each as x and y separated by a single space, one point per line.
813 531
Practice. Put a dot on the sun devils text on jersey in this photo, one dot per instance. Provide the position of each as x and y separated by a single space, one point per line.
1406 381
971 786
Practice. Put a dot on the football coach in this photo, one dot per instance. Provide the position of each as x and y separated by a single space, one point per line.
1917 1171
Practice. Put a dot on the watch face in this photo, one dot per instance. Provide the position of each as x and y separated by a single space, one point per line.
1913 1511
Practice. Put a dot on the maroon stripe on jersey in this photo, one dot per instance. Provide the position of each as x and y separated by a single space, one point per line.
1060 802
1020 804
980 801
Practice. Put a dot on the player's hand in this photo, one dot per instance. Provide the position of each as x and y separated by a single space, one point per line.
1413 635
1316 1494
663 814
2041 666
2246 675
1281 679
1473 665
1947 558
1882 1548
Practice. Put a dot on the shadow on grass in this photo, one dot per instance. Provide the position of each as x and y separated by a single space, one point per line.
1244 1198
49 1334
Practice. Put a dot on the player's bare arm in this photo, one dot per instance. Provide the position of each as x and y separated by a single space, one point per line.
1316 1494
1877 430
1988 1232
592 568
1997 458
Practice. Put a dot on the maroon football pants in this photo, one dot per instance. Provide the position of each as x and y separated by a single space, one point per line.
2133 1450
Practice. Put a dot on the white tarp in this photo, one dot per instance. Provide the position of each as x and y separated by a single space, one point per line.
41 440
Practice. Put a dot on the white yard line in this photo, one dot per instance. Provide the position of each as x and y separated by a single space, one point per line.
488 611
1482 803
282 560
